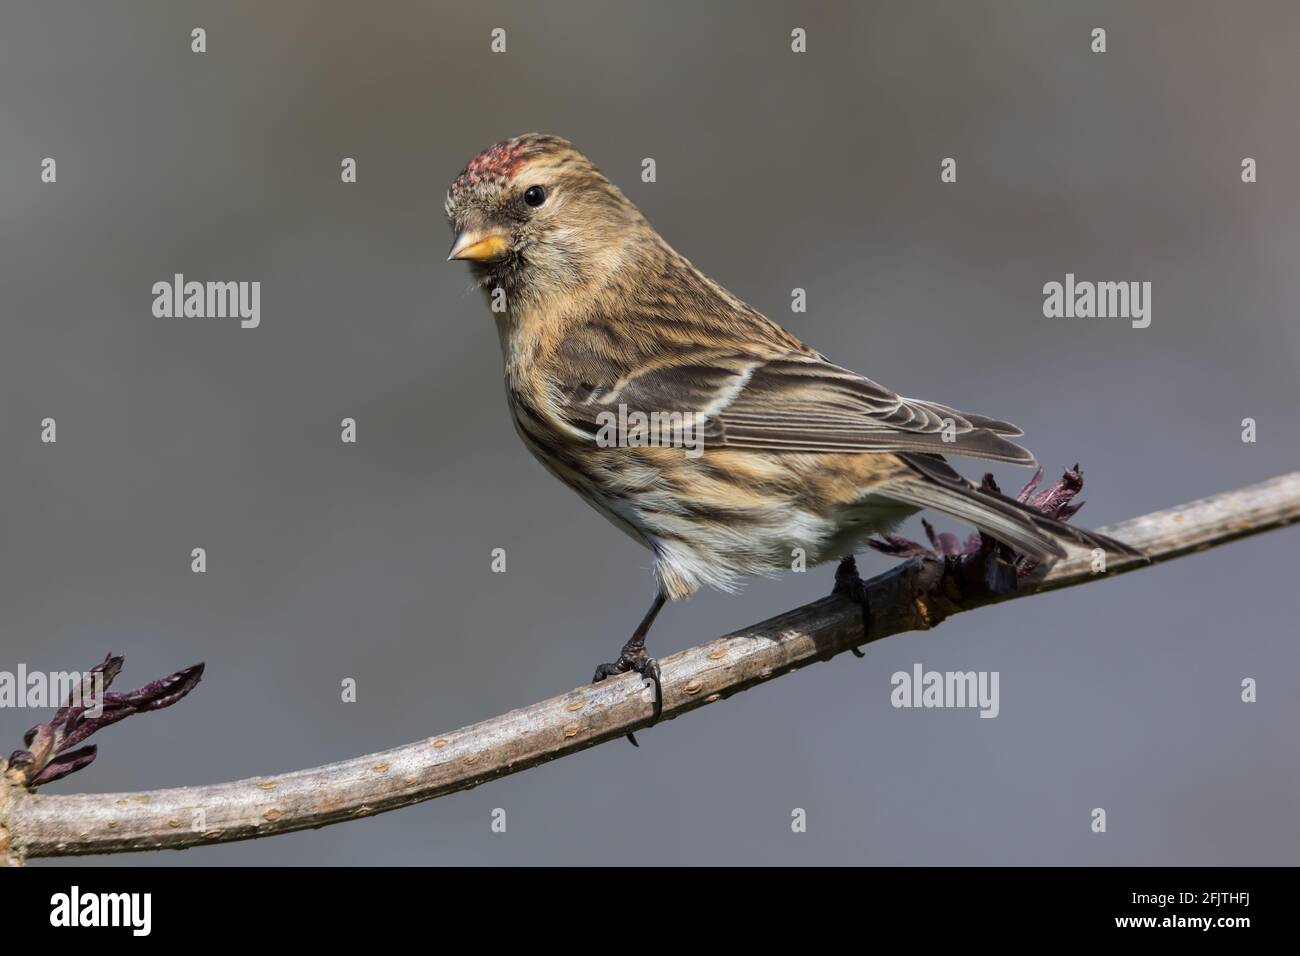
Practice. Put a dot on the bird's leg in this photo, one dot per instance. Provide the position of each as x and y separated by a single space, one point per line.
848 582
634 658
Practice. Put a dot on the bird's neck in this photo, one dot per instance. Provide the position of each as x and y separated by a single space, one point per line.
531 329
534 313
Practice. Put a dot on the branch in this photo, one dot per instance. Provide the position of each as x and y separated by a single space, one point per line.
916 595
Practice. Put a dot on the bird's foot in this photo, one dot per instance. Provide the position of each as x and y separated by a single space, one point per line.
849 583
634 658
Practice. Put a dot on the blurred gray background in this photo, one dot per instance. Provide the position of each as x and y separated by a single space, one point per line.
775 170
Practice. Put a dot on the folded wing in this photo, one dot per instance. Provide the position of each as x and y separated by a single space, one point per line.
791 403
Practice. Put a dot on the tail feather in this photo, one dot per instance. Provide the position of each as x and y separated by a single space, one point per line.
1009 521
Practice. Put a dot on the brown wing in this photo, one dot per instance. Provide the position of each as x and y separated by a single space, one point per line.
788 402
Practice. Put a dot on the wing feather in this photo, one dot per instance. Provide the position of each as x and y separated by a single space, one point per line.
791 402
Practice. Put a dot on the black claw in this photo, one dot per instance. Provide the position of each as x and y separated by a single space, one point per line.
606 670
647 667
849 583
634 658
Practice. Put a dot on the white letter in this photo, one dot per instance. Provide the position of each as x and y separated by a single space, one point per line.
1141 305
1052 300
901 695
253 316
989 706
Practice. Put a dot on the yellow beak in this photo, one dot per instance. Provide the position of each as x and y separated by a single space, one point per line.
473 244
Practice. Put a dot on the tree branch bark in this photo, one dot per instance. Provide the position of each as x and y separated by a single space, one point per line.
916 595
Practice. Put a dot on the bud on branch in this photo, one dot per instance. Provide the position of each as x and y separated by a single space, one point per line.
90 707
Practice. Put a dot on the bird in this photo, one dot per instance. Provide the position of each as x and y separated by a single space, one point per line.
764 448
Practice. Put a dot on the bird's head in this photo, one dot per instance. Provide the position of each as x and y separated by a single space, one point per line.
533 215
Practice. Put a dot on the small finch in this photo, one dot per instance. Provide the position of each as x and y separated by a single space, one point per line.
693 422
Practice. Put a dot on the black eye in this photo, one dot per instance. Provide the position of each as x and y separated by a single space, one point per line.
535 196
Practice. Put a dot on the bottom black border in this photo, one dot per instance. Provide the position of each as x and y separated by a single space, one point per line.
334 905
